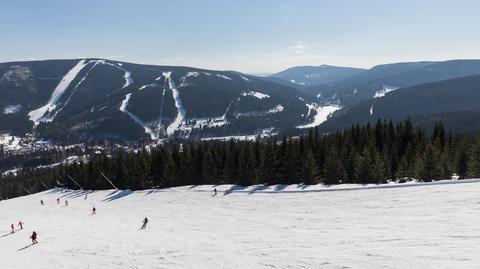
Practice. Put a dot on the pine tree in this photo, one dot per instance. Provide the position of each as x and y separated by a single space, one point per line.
310 170
473 162
364 168
334 171
429 165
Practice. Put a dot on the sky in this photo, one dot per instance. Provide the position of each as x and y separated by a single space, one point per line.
252 36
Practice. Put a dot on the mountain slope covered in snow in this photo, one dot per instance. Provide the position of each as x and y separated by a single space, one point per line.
424 226
97 99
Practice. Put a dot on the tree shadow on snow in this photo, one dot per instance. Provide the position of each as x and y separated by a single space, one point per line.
77 193
156 190
280 187
234 188
117 194
258 188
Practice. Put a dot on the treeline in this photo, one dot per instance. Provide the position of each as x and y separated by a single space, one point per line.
361 154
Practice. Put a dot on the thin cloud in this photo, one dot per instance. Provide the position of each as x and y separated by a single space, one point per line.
299 47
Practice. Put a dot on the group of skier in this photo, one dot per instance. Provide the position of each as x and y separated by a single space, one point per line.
33 237
20 224
20 227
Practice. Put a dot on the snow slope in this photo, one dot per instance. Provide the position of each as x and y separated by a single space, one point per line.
38 115
423 226
178 104
321 115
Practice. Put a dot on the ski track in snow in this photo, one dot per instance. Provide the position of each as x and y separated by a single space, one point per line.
38 115
425 226
321 115
146 126
175 125
178 103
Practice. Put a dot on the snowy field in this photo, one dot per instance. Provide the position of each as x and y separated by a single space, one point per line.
421 226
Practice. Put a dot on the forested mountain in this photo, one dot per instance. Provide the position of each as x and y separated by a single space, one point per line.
316 75
454 101
382 79
102 99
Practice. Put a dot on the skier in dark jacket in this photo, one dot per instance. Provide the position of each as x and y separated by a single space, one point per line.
20 223
41 202
58 200
145 221
34 238
214 192
94 211
13 228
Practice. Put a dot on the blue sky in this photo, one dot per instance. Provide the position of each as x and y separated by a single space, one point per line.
252 36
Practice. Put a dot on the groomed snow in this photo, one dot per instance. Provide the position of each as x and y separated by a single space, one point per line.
321 115
148 130
178 104
38 115
422 226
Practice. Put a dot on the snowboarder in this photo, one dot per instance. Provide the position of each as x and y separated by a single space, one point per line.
58 201
66 203
41 202
20 223
34 238
13 228
145 221
94 211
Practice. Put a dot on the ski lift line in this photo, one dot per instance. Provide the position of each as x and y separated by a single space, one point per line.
43 184
109 181
75 182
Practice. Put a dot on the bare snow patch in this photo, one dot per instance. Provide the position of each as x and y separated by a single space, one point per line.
322 114
223 76
245 78
17 73
258 95
12 109
383 91
277 109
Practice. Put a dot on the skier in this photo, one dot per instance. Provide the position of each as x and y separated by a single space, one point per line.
145 221
20 223
215 192
58 201
13 228
94 211
41 202
66 203
34 238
